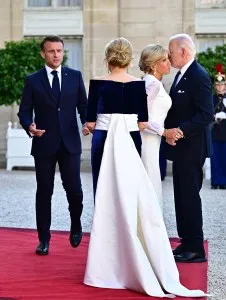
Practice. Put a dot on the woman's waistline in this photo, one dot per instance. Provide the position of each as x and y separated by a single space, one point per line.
103 121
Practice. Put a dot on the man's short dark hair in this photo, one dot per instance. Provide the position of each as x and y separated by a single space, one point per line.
50 38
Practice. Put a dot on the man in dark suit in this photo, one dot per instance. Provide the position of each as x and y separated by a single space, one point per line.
192 112
47 112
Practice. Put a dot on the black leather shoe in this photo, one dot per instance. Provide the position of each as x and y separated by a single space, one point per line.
75 239
222 187
43 248
178 250
190 257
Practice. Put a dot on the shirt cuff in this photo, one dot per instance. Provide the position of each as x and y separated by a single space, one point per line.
161 130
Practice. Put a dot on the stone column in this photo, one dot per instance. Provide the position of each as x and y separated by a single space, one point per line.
101 24
137 23
11 23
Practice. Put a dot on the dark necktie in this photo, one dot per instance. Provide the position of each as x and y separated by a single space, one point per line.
175 79
56 86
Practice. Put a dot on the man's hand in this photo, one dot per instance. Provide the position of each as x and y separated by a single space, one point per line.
142 125
35 132
171 142
85 130
91 126
173 133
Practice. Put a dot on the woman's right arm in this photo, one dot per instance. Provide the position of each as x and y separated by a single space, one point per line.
153 126
152 90
91 114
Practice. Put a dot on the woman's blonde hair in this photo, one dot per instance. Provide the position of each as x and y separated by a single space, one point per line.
150 55
118 53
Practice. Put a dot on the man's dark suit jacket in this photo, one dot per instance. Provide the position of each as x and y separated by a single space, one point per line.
57 119
192 111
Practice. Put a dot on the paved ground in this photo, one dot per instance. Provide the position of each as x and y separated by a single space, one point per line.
17 191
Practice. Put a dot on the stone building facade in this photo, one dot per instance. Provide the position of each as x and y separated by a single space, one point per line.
88 25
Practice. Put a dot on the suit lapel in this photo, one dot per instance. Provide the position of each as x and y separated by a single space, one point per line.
173 87
187 72
46 84
174 90
64 81
183 79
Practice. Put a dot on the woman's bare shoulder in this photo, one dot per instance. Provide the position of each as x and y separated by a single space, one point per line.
133 78
104 77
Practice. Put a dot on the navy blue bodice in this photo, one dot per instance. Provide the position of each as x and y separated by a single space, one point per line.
109 97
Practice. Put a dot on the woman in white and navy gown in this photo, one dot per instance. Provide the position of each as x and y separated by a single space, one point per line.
155 63
106 97
129 246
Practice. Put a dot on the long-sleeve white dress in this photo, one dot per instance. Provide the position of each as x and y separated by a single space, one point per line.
159 102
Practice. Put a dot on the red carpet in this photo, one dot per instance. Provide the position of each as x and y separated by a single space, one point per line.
59 276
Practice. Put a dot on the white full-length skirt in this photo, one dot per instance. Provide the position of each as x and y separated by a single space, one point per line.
129 247
150 158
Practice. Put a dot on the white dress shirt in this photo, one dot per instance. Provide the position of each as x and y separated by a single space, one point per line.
184 69
50 76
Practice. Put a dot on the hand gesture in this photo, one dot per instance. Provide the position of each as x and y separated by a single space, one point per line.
171 142
85 130
173 133
91 126
142 125
35 132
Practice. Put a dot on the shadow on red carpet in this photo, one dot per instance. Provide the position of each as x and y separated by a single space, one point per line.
59 276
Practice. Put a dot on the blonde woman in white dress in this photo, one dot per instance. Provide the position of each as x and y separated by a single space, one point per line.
154 62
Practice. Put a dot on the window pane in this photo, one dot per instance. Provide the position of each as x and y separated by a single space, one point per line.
74 53
39 3
210 3
68 2
209 43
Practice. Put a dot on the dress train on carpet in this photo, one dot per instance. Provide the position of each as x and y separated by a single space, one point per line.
129 246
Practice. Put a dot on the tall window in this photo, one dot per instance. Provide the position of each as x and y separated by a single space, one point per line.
210 3
68 2
54 3
39 3
209 42
74 53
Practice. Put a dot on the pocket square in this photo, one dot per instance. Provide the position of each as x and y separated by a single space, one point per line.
180 92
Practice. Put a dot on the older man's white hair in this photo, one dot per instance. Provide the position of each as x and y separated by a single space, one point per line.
184 41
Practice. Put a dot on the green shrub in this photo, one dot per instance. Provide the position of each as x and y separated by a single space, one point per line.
210 58
17 60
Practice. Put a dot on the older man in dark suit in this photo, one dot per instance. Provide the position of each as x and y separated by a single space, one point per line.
51 97
191 111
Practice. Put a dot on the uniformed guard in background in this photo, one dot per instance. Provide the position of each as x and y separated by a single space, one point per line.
218 159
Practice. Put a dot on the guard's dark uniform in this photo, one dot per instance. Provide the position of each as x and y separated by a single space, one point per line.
218 159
